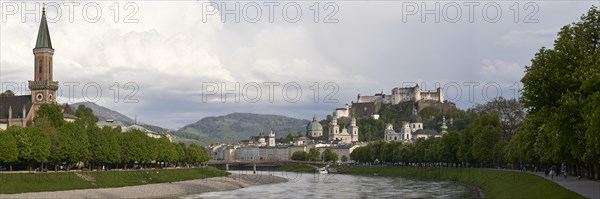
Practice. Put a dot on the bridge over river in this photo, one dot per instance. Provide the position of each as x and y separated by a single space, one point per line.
260 165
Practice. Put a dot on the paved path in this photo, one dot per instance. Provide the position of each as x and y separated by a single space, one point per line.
584 187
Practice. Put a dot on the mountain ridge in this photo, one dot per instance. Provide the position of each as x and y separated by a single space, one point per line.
237 126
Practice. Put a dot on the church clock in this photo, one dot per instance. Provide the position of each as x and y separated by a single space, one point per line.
39 97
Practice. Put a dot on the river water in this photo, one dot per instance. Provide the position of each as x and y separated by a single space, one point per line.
308 186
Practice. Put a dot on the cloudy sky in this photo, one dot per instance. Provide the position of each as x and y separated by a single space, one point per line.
171 63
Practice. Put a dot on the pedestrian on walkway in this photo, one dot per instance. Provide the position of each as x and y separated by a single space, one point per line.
552 172
564 170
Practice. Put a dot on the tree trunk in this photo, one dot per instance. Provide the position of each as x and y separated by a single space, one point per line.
10 167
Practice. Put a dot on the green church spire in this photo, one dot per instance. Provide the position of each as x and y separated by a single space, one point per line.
43 38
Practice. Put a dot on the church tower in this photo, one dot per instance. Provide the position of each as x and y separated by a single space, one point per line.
271 138
334 128
353 130
43 89
444 127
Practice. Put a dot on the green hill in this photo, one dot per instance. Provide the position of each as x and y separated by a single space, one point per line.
239 126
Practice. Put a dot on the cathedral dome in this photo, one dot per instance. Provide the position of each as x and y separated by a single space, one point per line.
314 125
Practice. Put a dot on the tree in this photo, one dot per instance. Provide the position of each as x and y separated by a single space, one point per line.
33 144
112 138
510 112
74 143
300 156
465 149
52 113
150 148
7 93
486 133
168 151
132 146
197 154
448 147
68 109
180 148
330 156
287 139
8 148
103 145
86 116
314 154
560 94
371 129
344 158
363 154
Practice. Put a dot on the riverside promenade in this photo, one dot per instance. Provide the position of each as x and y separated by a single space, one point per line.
584 187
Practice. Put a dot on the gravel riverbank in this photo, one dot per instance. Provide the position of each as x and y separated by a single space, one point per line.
161 190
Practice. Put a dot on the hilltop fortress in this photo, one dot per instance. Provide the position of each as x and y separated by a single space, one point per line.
369 105
404 94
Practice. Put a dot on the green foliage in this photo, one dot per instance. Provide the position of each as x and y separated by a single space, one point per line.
132 146
104 145
180 148
86 116
330 156
510 112
370 129
431 117
361 154
560 93
395 114
344 158
479 142
314 154
68 109
52 113
74 143
196 154
486 133
465 149
7 93
32 143
8 147
168 150
300 155
287 139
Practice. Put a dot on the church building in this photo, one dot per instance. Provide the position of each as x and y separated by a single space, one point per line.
412 130
347 135
20 110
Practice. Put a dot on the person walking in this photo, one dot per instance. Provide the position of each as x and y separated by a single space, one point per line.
552 172
564 170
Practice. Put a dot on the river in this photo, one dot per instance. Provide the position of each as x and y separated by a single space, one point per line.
308 186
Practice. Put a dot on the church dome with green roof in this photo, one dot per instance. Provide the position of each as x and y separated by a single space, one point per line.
314 128
314 125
